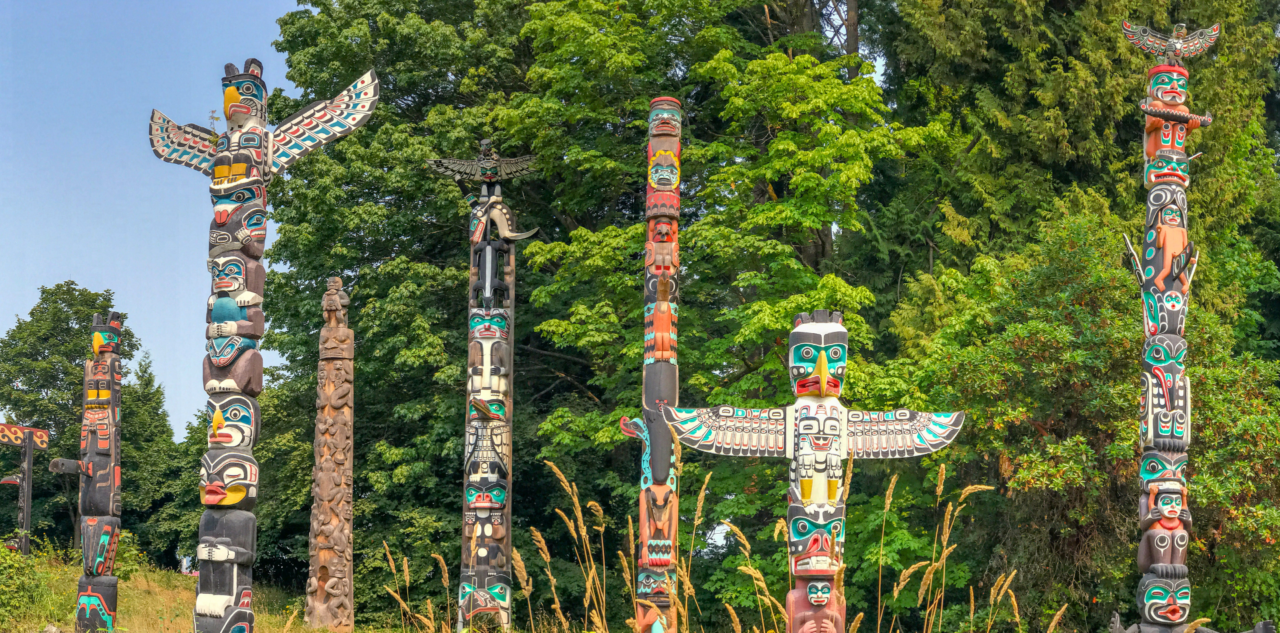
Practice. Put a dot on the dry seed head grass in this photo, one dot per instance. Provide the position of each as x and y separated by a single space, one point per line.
564 483
522 575
888 495
1191 628
972 489
778 527
569 524
682 575
444 571
702 496
597 511
733 618
742 538
626 573
1057 617
541 544
857 621
942 477
906 576
1013 601
391 562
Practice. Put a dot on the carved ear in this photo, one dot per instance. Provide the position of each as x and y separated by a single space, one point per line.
230 70
253 67
97 320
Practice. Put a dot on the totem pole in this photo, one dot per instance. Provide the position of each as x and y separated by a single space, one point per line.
242 162
29 440
659 500
330 599
99 470
1164 272
485 585
815 434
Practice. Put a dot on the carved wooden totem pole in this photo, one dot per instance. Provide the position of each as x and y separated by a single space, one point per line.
330 596
485 585
816 434
99 471
659 501
29 440
1164 271
241 162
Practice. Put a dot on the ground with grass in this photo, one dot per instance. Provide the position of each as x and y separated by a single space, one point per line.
41 590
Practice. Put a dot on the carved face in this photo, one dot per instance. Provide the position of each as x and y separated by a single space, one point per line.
233 420
106 335
228 479
818 447
1162 359
243 94
650 583
817 359
664 170
664 117
1169 87
815 538
1168 167
228 274
224 350
1163 467
819 593
1169 503
486 494
489 324
244 230
1164 601
1166 204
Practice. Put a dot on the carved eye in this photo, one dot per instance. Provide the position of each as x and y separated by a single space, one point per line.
835 353
806 353
246 89
240 196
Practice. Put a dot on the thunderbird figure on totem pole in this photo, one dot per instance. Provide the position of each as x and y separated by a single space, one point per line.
816 433
242 162
485 585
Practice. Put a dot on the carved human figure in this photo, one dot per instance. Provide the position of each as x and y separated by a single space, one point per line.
813 607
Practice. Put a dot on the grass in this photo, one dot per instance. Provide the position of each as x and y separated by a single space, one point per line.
150 601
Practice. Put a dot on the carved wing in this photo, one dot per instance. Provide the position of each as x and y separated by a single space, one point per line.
509 168
188 145
457 169
731 431
899 433
1200 41
1146 39
323 121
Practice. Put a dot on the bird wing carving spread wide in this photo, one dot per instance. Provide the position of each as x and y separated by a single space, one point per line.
1200 41
456 168
731 431
1146 39
323 121
509 168
189 145
899 433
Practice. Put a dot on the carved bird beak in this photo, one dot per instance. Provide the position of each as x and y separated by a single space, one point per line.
230 97
822 373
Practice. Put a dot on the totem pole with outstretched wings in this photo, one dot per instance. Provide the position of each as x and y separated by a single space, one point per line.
816 434
242 161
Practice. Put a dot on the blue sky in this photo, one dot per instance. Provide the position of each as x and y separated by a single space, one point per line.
84 197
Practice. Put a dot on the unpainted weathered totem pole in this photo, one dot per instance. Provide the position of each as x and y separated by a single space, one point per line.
659 493
99 471
816 434
1164 271
241 162
485 585
29 440
330 596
